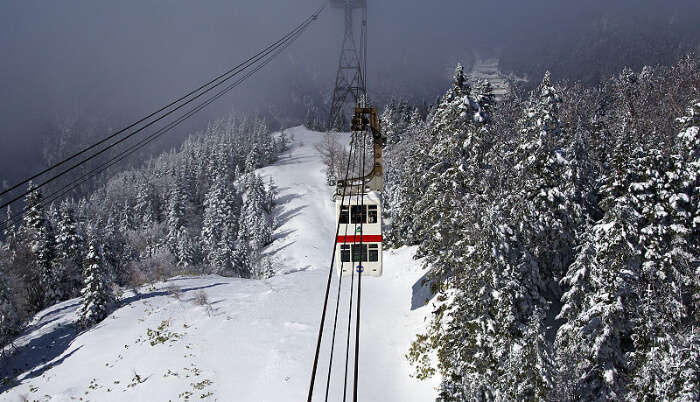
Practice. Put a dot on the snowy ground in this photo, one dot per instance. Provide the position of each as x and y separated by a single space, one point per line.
251 340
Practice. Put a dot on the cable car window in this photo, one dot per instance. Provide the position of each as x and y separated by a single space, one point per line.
372 214
359 252
358 213
373 252
344 214
345 253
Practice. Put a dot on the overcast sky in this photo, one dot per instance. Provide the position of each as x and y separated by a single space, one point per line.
119 60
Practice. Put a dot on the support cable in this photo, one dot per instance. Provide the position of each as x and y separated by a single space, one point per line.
135 147
340 284
328 288
359 280
347 342
211 84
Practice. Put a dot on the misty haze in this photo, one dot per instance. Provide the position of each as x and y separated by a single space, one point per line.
379 200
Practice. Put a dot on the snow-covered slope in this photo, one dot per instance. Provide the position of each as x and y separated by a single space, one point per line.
230 339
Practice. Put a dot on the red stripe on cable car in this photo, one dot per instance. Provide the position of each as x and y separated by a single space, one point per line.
356 239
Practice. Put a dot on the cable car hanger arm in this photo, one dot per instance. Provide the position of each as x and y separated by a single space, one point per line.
364 118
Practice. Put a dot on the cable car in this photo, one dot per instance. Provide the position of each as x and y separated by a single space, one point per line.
359 241
359 208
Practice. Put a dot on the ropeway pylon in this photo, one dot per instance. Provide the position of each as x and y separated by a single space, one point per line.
350 78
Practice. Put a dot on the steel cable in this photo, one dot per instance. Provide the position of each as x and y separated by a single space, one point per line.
340 284
328 287
222 78
135 147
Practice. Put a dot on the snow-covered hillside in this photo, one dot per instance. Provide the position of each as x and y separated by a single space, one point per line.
230 339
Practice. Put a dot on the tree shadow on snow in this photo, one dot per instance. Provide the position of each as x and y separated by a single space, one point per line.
281 235
290 161
421 293
58 310
286 198
32 357
295 270
39 325
286 216
144 296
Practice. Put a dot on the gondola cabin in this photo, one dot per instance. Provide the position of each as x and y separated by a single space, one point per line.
359 242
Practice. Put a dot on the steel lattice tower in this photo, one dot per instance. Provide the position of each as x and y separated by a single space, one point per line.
350 78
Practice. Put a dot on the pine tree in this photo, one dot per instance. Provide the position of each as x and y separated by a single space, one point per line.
126 221
664 195
243 259
175 220
69 250
459 82
44 276
10 233
185 250
254 223
546 205
263 268
478 266
254 159
483 93
388 125
403 196
220 222
115 250
9 318
283 141
455 128
96 296
597 333
415 123
529 370
688 166
270 195
144 208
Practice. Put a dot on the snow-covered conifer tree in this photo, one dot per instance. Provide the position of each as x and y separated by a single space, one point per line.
280 143
529 371
185 249
454 127
96 296
459 82
43 276
126 220
244 259
666 188
254 158
220 222
116 250
10 232
415 123
483 93
175 219
69 250
388 125
254 222
9 319
144 209
596 337
546 206
270 195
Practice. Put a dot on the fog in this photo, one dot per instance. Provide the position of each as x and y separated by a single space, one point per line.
113 62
